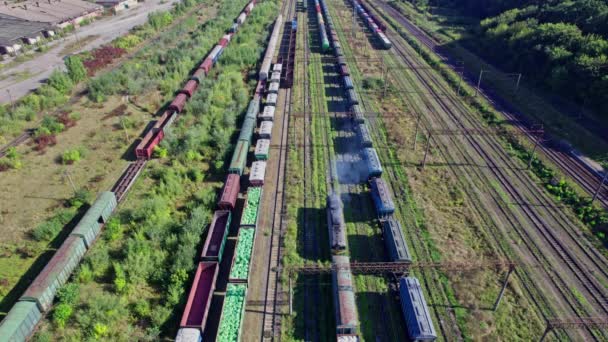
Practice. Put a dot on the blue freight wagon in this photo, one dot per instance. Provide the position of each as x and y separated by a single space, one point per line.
415 310
294 25
382 197
365 139
348 82
374 168
358 115
395 241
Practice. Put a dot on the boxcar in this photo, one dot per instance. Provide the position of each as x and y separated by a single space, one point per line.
20 322
395 241
335 223
216 53
230 193
262 149
268 113
358 116
239 157
198 75
257 173
265 130
382 197
348 82
178 103
199 298
353 99
365 139
89 226
225 40
415 310
216 236
344 297
374 167
188 335
273 88
55 273
207 65
247 129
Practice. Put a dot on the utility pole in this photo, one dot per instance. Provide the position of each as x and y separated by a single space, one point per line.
599 188
479 82
417 128
428 147
67 175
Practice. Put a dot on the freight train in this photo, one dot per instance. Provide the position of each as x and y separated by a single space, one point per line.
415 310
375 25
38 298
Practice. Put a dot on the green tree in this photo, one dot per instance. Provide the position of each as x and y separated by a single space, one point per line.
76 70
61 82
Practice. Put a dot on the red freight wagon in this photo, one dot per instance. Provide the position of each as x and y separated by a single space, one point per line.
344 70
206 65
199 299
146 146
318 7
216 236
198 75
189 88
225 40
178 103
231 192
162 121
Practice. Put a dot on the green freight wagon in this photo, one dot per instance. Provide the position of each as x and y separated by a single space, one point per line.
247 129
241 261
55 274
253 109
20 322
249 218
239 158
231 321
89 226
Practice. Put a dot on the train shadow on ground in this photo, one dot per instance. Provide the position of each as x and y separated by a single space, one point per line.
34 270
316 219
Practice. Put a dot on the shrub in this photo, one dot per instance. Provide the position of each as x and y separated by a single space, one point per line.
70 156
127 42
61 314
114 229
81 197
49 126
49 229
160 152
76 70
61 82
85 274
68 293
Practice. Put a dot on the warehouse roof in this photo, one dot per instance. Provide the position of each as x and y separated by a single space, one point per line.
13 29
49 11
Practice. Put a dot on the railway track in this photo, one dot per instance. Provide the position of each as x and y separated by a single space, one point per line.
271 325
25 136
580 271
575 169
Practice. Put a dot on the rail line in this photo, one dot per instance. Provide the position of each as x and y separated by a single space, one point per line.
580 272
25 136
271 316
573 167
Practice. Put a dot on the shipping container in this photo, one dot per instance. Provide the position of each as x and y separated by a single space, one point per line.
189 88
89 226
200 296
198 75
230 193
336 223
353 99
382 197
273 88
207 65
344 297
358 115
247 129
253 109
149 142
216 236
394 240
188 335
265 131
239 157
348 82
20 322
241 260
271 100
262 149
268 113
365 138
55 273
257 173
415 310
178 103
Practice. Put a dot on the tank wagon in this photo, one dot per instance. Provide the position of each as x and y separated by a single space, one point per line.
382 197
395 241
335 223
274 38
344 296
415 311
322 30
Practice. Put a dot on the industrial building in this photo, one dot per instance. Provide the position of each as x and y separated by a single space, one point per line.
116 6
16 32
56 13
